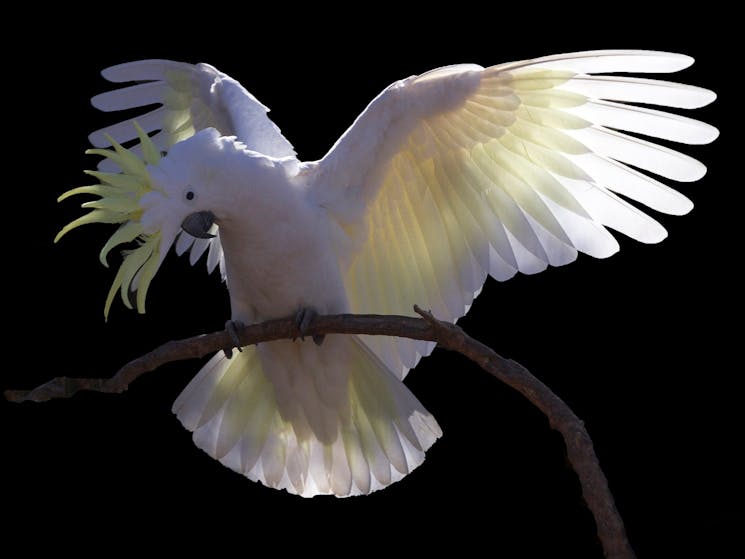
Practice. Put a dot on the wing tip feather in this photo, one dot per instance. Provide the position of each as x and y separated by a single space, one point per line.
696 173
94 138
99 102
707 97
142 70
686 60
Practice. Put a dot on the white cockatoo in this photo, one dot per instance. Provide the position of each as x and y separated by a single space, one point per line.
445 177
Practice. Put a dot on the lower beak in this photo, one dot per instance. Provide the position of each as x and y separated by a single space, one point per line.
198 224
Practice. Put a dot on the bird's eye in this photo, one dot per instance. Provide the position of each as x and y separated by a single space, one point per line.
189 195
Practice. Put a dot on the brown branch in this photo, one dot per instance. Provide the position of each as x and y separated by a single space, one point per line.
580 451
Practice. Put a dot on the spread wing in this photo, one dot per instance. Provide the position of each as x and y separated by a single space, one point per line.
464 171
190 97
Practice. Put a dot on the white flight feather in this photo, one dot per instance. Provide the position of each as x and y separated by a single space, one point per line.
514 167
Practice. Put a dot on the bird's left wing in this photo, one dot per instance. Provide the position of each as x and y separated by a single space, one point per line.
190 98
464 171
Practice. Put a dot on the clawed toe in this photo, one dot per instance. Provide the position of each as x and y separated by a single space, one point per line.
303 320
232 327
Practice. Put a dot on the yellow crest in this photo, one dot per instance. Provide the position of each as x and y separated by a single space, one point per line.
119 195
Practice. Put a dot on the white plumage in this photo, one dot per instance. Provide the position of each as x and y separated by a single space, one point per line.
445 177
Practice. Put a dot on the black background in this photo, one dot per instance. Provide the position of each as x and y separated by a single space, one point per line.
639 345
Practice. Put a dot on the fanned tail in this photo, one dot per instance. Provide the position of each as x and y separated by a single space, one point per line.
312 420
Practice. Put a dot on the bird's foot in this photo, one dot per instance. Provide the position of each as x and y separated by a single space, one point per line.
303 319
232 327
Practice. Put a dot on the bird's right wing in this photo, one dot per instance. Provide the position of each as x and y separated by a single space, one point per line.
190 98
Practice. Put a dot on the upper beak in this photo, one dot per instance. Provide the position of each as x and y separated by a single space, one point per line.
198 224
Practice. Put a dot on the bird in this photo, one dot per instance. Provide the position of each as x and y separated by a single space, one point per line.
446 177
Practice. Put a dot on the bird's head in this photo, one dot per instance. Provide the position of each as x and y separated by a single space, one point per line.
154 199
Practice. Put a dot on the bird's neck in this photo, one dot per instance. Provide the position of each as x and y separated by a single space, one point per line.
257 193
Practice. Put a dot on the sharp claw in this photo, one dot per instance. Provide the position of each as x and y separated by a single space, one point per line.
303 320
232 327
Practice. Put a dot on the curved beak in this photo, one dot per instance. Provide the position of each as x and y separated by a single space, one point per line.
198 224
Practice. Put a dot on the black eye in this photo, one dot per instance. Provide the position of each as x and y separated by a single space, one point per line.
189 195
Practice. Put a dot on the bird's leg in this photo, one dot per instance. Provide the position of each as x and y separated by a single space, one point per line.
303 319
232 327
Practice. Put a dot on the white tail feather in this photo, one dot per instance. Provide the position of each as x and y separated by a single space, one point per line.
312 420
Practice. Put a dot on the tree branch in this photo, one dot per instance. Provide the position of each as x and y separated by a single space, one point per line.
580 451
